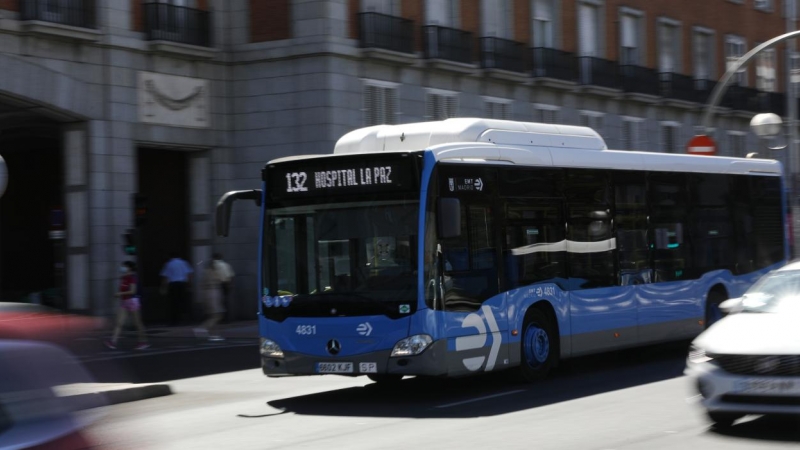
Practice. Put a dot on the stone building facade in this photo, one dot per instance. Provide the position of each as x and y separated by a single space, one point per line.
176 102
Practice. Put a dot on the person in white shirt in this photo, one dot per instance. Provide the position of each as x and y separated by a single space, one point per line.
226 277
175 278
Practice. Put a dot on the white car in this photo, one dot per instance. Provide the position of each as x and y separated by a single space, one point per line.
749 361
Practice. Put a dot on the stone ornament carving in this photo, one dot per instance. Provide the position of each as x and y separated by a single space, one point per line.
173 100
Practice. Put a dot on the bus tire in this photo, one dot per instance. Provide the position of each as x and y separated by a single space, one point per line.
713 300
385 379
539 346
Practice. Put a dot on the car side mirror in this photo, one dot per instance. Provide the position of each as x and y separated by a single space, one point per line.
731 306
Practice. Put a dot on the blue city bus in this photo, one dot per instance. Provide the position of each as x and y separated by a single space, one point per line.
470 245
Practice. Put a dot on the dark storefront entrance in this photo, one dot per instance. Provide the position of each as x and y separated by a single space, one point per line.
164 183
32 216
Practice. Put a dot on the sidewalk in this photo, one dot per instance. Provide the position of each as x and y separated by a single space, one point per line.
92 395
233 330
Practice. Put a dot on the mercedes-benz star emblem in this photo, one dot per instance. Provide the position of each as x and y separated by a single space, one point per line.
333 347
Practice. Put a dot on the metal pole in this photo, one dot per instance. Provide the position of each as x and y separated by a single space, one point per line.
722 85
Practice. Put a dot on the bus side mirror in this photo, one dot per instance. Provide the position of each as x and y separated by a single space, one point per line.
449 218
225 203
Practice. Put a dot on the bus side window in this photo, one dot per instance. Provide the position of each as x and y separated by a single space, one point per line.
535 242
669 206
630 203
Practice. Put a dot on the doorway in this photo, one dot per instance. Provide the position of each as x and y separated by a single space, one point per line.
164 186
32 218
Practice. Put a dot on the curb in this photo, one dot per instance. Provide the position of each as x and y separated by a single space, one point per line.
117 396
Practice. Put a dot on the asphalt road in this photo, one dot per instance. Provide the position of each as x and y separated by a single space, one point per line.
626 400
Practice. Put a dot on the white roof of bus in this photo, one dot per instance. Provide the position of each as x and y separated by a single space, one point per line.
528 143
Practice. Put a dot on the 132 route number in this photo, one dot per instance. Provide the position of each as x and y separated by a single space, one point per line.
296 182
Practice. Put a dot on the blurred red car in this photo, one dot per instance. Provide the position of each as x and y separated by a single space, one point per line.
41 323
32 415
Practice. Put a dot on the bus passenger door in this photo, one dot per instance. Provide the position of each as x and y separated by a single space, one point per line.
603 314
475 315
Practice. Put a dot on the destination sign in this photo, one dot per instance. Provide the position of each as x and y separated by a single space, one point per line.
328 176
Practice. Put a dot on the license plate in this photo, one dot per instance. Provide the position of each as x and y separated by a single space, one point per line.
338 367
756 386
368 367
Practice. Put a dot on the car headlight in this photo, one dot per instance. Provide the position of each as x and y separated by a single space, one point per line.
698 355
270 348
413 345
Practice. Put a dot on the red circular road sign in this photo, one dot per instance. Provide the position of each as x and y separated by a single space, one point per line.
701 145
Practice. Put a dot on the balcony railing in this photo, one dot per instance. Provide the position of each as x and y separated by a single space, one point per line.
642 80
75 13
447 43
774 102
502 54
165 22
553 63
599 72
680 87
742 98
703 88
386 32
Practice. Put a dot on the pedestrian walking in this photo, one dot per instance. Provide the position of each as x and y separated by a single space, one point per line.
175 278
129 303
211 292
226 277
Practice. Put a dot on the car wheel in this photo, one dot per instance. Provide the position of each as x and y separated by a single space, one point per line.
539 346
723 419
713 313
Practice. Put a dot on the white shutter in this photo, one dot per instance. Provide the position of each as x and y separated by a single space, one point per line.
440 107
628 31
701 56
587 26
440 12
451 106
369 105
666 58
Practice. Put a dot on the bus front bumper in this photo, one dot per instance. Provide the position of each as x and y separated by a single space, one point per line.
431 362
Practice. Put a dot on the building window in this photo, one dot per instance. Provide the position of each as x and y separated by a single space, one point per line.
763 5
669 137
630 37
380 103
703 53
497 18
546 113
631 133
734 48
736 144
442 12
669 45
593 120
589 29
497 108
543 23
765 71
440 104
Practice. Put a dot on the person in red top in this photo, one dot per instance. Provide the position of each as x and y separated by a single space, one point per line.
129 303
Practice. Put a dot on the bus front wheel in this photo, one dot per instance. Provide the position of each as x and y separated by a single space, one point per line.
538 347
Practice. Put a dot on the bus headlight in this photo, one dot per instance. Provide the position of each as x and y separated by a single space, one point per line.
270 348
413 345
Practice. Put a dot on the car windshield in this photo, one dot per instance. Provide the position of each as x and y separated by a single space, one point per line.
777 292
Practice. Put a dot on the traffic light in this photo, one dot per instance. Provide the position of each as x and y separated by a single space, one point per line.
139 209
129 242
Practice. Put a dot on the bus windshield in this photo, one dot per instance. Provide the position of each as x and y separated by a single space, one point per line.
362 249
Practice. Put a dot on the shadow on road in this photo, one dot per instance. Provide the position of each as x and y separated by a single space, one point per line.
764 428
495 394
